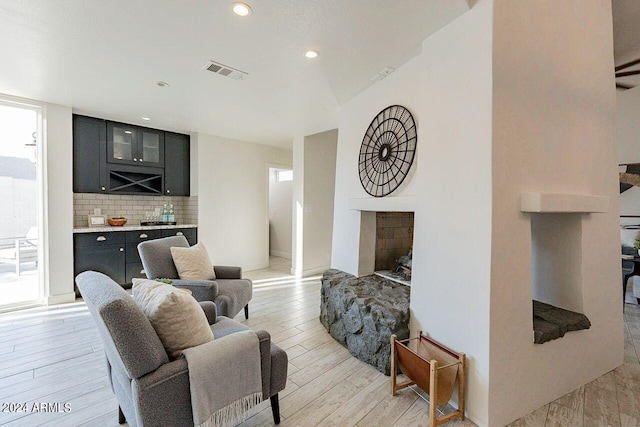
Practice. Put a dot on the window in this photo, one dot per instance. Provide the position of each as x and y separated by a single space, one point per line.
284 175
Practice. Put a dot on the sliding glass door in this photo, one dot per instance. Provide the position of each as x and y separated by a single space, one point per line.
20 206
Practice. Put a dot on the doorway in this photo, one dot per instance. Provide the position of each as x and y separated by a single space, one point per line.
21 195
280 198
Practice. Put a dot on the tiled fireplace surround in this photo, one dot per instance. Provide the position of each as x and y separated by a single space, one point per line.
394 238
132 207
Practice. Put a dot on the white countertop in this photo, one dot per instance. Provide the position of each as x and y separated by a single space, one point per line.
131 228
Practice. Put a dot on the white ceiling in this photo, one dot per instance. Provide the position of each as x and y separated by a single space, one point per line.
104 57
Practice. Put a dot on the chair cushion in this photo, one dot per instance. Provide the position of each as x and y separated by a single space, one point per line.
175 315
156 257
193 263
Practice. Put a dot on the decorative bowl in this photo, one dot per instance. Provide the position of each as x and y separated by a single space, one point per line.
117 221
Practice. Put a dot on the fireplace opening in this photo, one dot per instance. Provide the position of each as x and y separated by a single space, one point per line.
394 246
556 260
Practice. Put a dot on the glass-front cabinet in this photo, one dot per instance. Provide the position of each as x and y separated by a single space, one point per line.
134 145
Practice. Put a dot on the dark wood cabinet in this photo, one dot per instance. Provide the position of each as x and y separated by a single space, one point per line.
103 252
89 155
118 158
134 145
176 164
134 268
115 253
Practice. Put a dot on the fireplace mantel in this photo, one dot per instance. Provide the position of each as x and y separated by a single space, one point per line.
563 203
384 204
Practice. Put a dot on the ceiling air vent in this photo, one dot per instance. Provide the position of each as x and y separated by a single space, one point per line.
224 70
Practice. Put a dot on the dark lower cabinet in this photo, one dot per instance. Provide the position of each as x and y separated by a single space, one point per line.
102 252
115 253
134 270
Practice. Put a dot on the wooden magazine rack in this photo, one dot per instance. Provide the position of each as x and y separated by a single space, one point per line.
432 367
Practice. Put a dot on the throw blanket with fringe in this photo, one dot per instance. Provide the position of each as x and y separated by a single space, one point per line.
225 379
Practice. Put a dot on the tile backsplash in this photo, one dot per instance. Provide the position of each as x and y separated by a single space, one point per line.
132 207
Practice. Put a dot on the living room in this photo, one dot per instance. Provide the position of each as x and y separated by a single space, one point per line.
513 102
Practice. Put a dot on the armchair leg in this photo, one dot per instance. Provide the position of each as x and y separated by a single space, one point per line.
275 408
246 311
121 418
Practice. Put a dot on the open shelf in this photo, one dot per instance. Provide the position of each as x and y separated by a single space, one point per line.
135 182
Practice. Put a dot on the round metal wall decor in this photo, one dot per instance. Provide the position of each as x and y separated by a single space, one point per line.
387 151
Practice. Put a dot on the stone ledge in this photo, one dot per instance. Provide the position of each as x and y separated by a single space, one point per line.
550 322
362 313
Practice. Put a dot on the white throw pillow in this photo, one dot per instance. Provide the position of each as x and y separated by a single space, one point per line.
193 263
176 316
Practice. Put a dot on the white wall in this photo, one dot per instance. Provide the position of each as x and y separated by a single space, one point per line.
401 88
319 185
280 198
553 132
501 108
453 214
59 211
233 197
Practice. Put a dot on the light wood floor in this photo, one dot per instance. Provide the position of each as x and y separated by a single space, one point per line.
54 354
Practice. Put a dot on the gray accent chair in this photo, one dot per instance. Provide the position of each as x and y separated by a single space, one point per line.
229 290
152 390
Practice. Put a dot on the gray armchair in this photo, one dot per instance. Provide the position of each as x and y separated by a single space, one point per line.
229 290
150 389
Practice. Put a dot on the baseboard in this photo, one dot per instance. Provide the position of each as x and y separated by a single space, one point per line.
309 272
61 298
280 254
314 271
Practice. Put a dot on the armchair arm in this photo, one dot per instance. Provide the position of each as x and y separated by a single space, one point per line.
202 290
227 272
210 310
265 362
163 397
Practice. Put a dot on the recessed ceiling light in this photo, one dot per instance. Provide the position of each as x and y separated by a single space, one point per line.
241 9
146 118
162 84
311 54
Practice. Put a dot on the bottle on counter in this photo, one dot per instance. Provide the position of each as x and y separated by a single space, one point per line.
172 216
165 214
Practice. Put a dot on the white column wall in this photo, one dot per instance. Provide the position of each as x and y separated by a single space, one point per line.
58 164
553 131
452 239
319 187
